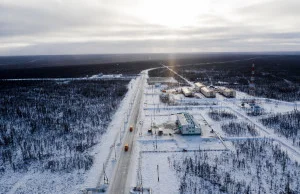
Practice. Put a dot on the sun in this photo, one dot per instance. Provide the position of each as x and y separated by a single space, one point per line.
172 13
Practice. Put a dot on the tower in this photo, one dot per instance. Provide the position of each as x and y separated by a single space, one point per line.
252 85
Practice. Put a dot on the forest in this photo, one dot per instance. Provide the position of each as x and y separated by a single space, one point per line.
265 168
286 124
49 125
218 115
276 77
239 129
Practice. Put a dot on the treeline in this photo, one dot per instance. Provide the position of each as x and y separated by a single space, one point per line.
164 72
286 124
53 124
270 80
275 90
257 166
239 129
219 115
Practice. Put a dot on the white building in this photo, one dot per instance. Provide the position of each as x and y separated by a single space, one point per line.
198 86
187 125
227 92
187 92
209 93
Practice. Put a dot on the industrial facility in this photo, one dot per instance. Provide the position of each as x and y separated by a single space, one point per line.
186 92
252 108
187 125
198 86
230 93
207 92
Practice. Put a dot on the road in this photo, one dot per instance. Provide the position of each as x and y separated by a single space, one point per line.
186 80
118 184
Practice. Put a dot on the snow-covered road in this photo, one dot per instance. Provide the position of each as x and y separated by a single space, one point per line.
119 180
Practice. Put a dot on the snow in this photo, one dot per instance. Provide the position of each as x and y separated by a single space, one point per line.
152 152
34 181
93 77
103 151
147 155
168 181
42 182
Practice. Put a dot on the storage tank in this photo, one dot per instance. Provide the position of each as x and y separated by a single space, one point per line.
208 92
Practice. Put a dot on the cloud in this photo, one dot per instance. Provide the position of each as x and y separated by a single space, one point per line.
276 15
115 26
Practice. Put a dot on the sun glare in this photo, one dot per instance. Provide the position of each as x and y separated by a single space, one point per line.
173 13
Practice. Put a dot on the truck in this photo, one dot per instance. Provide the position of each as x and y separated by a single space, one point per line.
131 128
126 147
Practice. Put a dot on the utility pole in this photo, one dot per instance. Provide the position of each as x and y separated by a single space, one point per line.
252 85
158 173
105 176
120 136
124 125
155 139
115 152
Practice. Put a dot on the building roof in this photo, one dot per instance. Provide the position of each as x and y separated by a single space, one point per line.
226 89
206 89
186 119
182 119
186 90
199 85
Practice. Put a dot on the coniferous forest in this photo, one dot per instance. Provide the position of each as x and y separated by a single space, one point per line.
285 124
50 125
256 166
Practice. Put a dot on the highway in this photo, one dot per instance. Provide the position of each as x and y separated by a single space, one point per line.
118 183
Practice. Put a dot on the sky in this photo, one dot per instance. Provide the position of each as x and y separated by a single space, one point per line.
42 27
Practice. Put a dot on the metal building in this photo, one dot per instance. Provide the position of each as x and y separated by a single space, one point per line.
187 124
198 86
230 93
209 93
187 92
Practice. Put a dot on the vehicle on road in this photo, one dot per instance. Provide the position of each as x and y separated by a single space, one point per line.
126 147
131 128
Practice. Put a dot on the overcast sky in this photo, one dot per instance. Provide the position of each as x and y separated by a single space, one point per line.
29 27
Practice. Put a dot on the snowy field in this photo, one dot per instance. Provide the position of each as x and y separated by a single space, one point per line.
46 167
213 171
235 153
241 155
255 166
